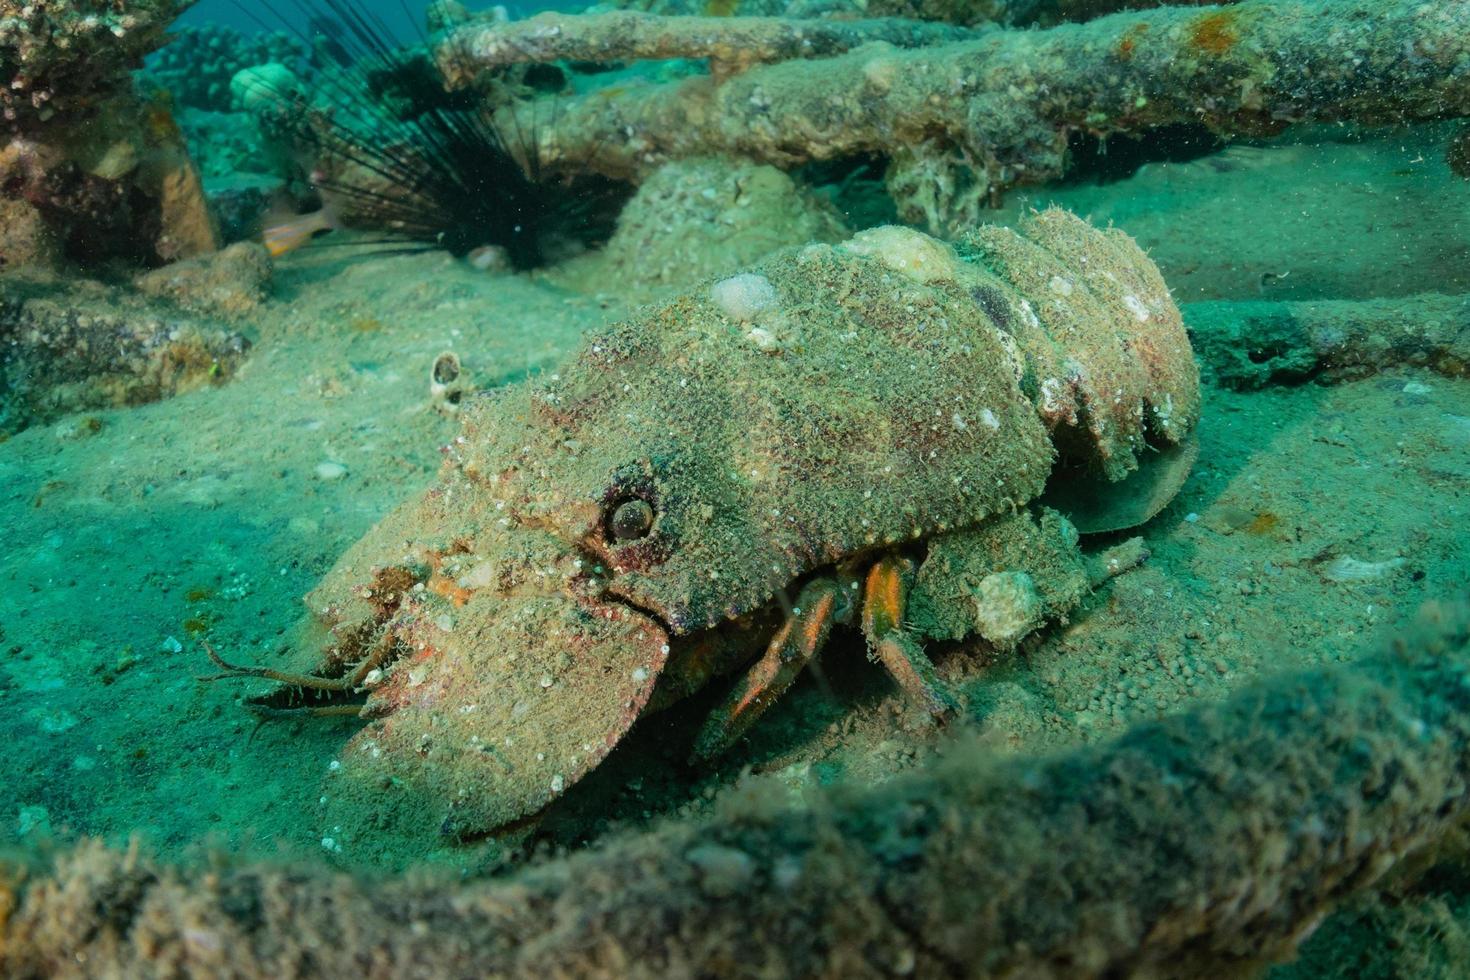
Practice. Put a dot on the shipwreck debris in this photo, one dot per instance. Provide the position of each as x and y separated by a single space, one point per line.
1126 858
980 116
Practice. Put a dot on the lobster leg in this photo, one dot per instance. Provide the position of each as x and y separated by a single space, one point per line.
799 639
885 594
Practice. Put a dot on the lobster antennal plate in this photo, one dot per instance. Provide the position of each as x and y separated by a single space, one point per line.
503 703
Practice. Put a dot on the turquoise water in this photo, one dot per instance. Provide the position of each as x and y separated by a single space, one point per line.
815 556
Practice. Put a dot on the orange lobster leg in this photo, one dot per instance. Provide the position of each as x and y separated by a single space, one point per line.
885 594
798 640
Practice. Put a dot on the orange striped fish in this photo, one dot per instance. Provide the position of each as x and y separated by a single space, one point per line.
292 234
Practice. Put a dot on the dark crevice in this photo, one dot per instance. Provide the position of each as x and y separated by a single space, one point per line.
1094 159
855 186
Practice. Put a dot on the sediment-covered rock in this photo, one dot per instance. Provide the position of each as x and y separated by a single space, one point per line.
703 217
86 346
229 282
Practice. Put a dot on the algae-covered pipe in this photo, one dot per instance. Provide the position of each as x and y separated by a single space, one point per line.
1262 342
1199 845
1004 13
731 43
1005 103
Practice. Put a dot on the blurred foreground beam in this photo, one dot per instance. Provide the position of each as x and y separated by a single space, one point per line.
963 121
1195 846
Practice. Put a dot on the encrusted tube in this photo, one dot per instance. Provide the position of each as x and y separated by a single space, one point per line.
1191 846
1001 107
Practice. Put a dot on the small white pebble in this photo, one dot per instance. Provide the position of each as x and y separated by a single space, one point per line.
488 258
1346 568
329 470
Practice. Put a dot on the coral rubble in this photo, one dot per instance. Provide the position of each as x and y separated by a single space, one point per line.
87 346
91 168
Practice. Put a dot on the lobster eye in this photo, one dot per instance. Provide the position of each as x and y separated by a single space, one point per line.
631 519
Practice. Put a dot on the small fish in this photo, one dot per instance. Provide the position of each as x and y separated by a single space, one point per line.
291 234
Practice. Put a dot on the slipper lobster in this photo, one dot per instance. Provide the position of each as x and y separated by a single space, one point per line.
895 434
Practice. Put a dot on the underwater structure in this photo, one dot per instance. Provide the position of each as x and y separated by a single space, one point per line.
778 489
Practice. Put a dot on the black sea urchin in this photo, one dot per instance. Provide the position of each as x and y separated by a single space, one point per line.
393 151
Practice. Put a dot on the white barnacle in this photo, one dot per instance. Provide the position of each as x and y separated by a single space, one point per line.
742 297
763 339
1136 307
910 253
1053 396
